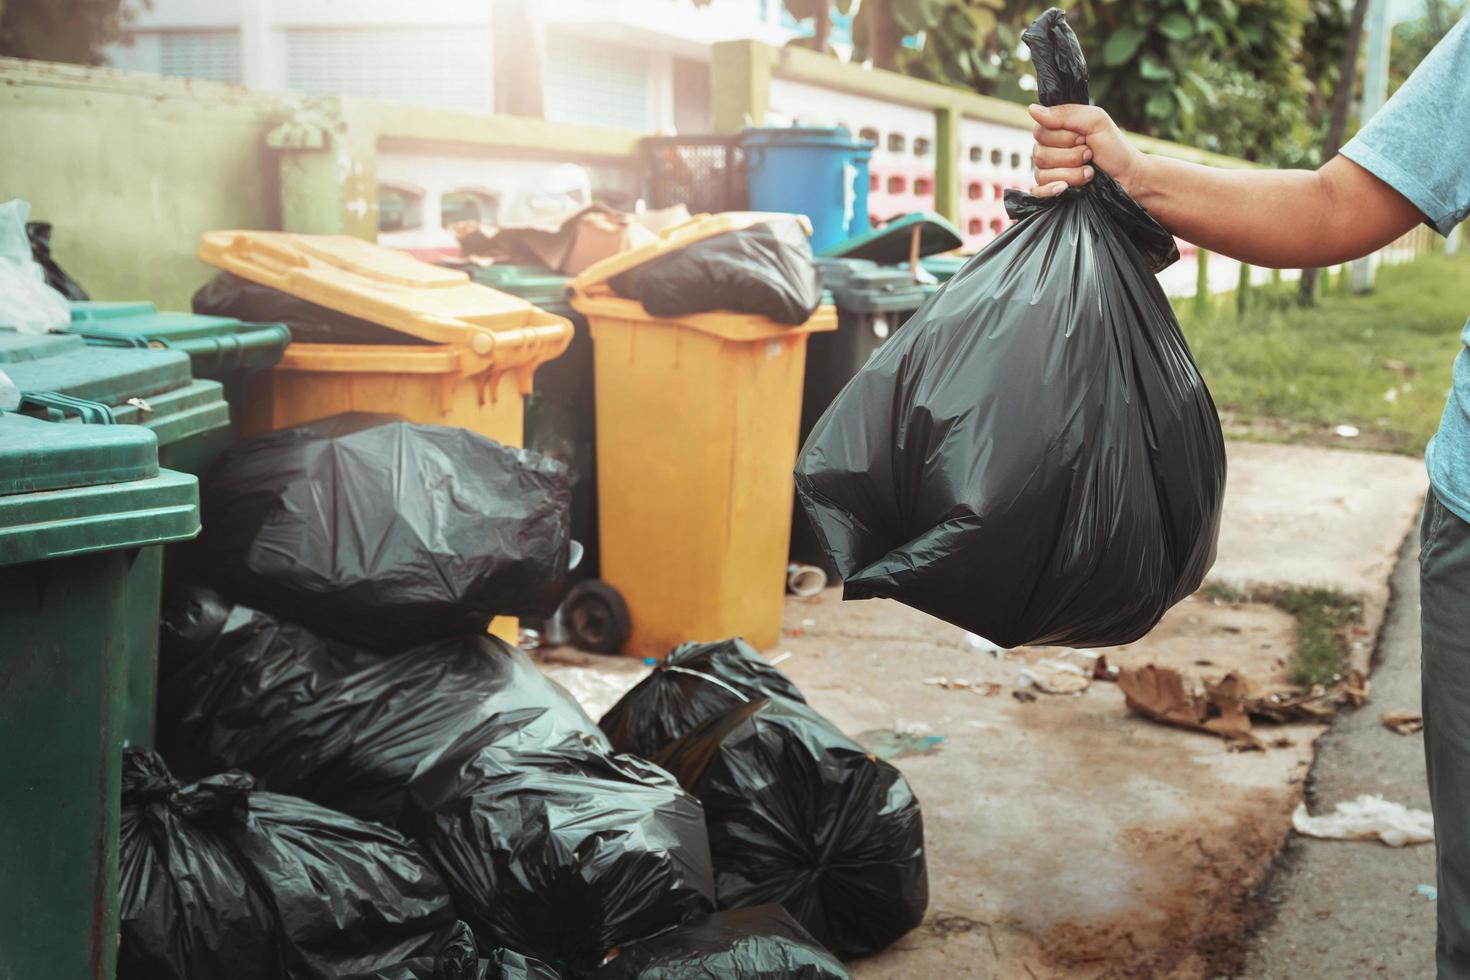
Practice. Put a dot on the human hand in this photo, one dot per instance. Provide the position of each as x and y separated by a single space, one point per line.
1069 138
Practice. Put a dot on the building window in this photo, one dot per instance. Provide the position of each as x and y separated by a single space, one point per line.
923 186
868 133
438 66
896 142
897 185
591 82
201 54
921 147
977 154
399 208
469 205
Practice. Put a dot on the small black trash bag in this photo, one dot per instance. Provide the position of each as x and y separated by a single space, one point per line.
695 682
458 959
561 852
1034 456
217 880
762 943
328 721
372 529
39 235
766 269
229 295
800 814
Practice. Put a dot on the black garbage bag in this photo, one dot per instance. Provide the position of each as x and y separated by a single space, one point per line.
218 880
766 269
695 682
561 852
229 295
458 959
326 720
39 235
800 814
1034 456
372 529
762 943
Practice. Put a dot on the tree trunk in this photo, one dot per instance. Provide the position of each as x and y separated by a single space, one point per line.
883 36
1342 100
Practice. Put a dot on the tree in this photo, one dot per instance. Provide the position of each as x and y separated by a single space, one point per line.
1413 39
73 31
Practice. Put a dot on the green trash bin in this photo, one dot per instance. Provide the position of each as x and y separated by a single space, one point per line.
872 302
561 414
150 388
221 348
77 504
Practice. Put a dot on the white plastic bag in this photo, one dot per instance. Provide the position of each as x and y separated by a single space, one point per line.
27 304
9 394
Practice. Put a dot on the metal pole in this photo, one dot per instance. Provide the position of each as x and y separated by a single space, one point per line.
1375 93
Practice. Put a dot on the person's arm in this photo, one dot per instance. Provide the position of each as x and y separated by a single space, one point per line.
1279 218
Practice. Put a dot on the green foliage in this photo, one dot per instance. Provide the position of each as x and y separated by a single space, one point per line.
73 31
1413 39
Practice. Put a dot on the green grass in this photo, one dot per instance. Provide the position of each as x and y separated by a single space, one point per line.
1323 618
1282 373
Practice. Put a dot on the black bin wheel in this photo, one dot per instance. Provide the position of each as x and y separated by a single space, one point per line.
596 617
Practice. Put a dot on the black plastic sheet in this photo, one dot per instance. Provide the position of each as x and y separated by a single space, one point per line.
801 815
695 682
371 529
229 295
766 269
328 721
762 943
1034 457
39 235
561 852
218 880
458 959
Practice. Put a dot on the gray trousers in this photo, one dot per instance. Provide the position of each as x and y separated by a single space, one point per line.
1444 569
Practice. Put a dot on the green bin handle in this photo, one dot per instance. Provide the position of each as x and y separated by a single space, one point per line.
230 351
58 405
97 337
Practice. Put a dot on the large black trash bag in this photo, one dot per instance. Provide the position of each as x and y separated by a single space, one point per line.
372 529
1034 456
229 295
217 880
762 943
327 721
695 682
800 814
561 852
766 269
458 959
39 235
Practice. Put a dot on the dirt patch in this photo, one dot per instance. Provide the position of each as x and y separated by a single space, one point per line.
1215 872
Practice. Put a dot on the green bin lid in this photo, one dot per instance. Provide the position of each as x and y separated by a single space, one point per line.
534 284
93 310
16 347
75 489
944 267
890 244
219 345
861 286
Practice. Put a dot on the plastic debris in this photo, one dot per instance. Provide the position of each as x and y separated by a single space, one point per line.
1034 456
1369 817
694 683
1428 891
311 523
987 688
218 880
800 814
27 303
888 743
1056 677
1346 431
39 233
762 943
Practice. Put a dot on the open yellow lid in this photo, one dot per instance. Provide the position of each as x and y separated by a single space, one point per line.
593 280
393 289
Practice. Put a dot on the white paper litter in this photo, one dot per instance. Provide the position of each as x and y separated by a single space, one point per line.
595 690
1369 817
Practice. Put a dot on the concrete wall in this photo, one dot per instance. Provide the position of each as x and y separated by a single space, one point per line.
132 169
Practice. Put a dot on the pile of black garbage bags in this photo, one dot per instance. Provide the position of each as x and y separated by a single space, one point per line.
354 779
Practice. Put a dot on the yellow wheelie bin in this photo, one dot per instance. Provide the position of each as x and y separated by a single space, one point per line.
471 365
697 420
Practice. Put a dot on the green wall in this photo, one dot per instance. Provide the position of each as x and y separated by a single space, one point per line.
131 169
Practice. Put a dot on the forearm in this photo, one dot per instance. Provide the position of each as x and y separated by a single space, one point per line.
1275 218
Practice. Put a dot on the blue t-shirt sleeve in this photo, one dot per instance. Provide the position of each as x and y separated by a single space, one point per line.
1419 142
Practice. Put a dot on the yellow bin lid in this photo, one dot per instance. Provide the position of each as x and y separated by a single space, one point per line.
592 295
395 290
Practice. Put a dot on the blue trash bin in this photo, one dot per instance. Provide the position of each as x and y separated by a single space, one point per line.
821 173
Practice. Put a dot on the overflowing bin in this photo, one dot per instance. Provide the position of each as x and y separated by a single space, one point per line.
77 504
60 375
474 353
697 420
822 173
222 349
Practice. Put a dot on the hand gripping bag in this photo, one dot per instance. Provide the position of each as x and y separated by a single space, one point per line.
1034 457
